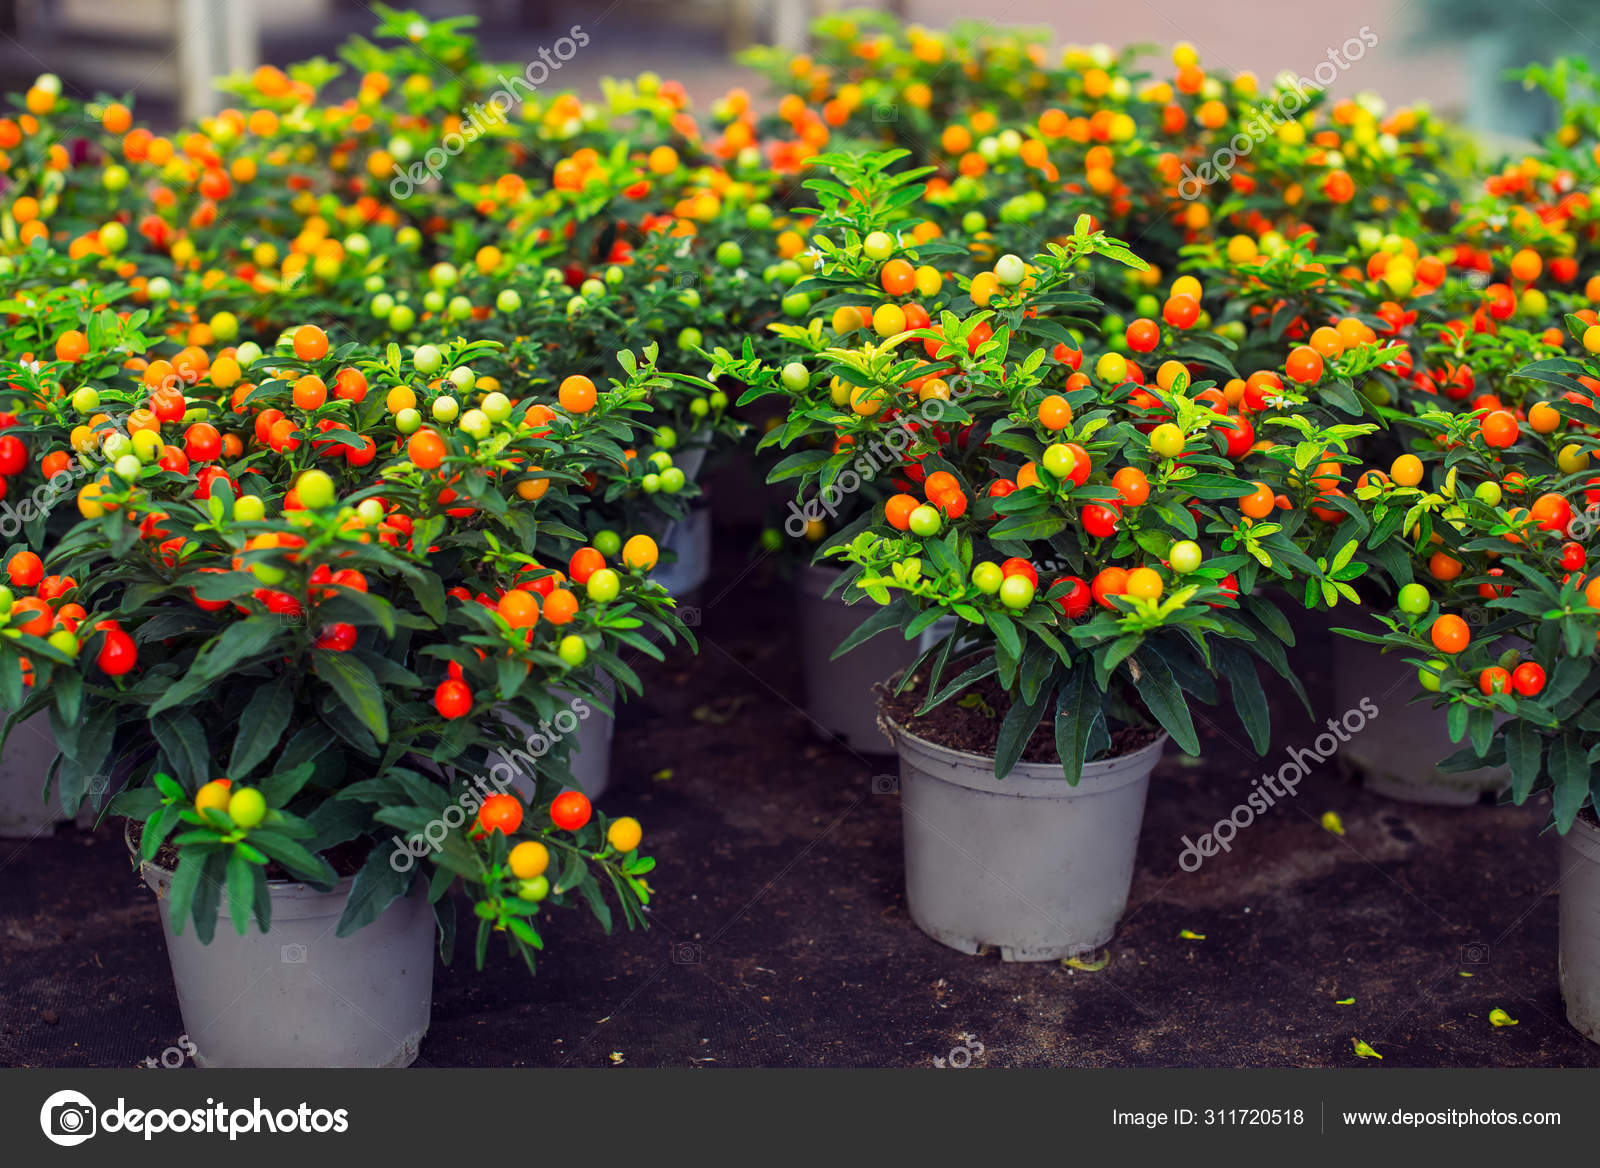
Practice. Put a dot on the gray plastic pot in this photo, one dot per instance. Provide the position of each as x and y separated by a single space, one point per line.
690 540
839 697
590 759
28 755
1398 753
298 996
1579 961
1029 864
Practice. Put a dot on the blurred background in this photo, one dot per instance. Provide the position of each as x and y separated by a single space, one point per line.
1451 53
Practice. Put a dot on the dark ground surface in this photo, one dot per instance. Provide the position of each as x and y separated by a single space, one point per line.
782 938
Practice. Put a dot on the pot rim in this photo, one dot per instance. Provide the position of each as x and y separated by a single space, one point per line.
1020 772
289 889
1584 836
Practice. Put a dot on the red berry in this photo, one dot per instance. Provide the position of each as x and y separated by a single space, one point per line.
570 811
1076 600
118 655
1017 566
452 698
1527 679
339 637
1099 519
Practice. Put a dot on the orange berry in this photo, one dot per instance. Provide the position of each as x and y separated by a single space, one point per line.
577 394
310 343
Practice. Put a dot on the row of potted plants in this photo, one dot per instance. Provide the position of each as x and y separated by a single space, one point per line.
1103 532
345 432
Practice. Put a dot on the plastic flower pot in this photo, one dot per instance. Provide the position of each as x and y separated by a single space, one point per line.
1028 864
839 697
1398 753
590 739
28 754
297 995
1579 961
691 460
690 541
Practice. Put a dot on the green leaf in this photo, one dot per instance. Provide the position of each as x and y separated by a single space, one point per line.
261 724
357 689
573 870
1569 771
337 820
208 896
1077 707
376 887
281 786
1021 720
1166 701
1524 748
234 644
301 863
1005 631
1480 729
1028 528
137 803
590 891
879 621
185 880
973 673
241 890
156 830
183 740
1249 698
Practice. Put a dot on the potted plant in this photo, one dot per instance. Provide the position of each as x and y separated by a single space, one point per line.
1503 636
286 616
1059 518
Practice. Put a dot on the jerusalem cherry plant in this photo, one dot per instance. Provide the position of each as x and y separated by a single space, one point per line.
288 623
1498 606
1112 577
1101 542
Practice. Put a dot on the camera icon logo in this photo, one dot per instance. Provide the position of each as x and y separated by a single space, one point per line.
690 616
1476 953
686 953
885 785
68 1118
293 954
885 113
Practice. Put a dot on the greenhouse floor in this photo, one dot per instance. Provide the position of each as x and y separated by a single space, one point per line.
781 936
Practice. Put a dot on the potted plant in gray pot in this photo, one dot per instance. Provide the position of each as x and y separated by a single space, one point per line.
292 663
1505 644
1092 538
1087 625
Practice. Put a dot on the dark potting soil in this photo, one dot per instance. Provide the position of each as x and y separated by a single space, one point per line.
345 859
970 721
